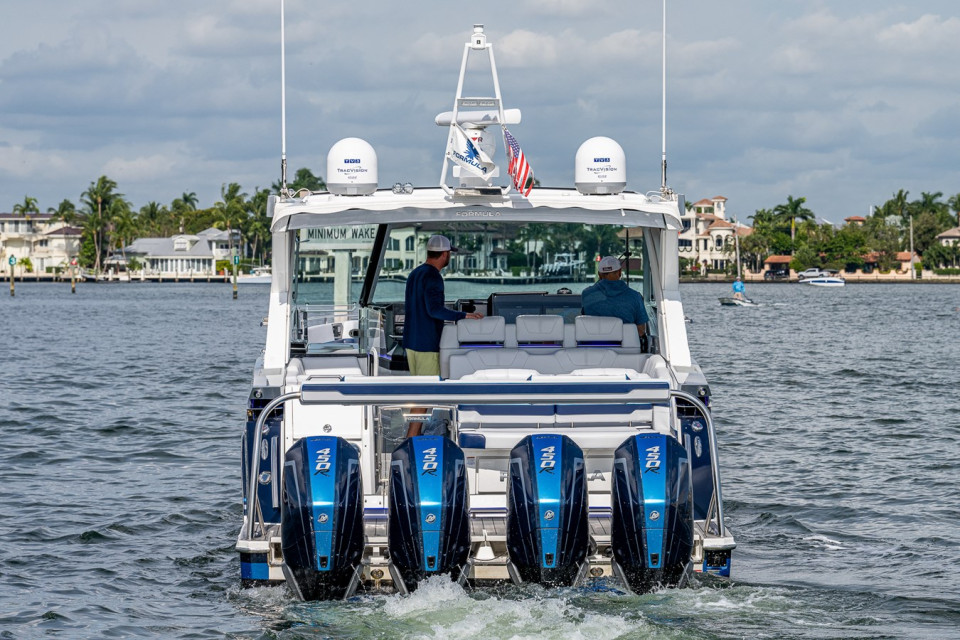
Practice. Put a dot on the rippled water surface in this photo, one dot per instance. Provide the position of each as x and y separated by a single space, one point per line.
839 429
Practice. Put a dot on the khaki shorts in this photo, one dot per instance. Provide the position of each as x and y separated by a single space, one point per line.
423 363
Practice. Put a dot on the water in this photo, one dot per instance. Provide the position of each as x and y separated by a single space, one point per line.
839 436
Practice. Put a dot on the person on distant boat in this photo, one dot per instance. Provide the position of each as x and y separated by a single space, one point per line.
611 296
425 312
738 289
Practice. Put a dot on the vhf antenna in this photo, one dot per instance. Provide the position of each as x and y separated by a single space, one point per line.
283 106
664 189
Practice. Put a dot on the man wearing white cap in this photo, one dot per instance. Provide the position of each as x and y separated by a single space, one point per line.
611 296
425 312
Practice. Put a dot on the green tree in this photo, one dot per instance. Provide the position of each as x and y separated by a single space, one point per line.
302 179
27 207
231 210
65 212
792 211
97 200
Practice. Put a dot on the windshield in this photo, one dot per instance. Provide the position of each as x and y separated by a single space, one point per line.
533 268
505 257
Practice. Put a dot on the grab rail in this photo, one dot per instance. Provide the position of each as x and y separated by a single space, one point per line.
714 461
374 392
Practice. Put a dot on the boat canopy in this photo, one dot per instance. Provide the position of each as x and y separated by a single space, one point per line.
434 205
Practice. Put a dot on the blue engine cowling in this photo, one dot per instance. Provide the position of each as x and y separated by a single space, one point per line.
652 504
429 527
547 527
322 518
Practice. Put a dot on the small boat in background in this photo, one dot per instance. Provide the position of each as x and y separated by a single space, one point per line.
738 302
825 281
257 275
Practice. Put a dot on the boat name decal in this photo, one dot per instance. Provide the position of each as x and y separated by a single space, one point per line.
547 463
479 214
323 462
429 462
653 460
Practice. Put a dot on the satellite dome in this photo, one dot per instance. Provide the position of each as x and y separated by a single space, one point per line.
352 168
600 167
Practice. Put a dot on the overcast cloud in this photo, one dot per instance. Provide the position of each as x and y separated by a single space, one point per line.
842 102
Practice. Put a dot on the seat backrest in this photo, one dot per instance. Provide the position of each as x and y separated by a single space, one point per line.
481 331
598 331
467 334
539 331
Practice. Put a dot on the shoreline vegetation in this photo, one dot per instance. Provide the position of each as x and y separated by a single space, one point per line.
109 223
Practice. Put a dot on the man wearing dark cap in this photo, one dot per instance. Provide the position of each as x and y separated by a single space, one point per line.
425 312
611 296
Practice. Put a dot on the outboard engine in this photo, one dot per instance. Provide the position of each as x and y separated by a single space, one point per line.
322 518
652 504
547 527
429 530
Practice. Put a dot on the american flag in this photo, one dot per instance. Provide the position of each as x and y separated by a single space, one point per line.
519 169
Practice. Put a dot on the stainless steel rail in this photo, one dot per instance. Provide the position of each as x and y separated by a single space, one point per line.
252 500
255 457
714 459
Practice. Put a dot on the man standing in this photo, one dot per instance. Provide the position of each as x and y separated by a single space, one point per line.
425 312
611 296
738 289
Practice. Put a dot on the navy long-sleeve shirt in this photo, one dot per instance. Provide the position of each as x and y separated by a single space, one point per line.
425 311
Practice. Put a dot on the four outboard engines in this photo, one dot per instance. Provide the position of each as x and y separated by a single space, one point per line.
547 527
322 518
429 526
652 503
548 530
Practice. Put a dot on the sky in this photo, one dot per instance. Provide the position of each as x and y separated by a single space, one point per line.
841 102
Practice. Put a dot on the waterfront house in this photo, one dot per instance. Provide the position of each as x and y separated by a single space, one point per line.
49 245
180 255
707 236
950 237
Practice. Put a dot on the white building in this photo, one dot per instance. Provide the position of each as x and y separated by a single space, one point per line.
182 254
48 245
707 237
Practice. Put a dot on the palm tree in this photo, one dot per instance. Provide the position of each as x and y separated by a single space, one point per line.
29 206
124 223
231 210
792 211
98 197
954 203
65 212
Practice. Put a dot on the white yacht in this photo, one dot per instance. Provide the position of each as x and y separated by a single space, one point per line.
558 448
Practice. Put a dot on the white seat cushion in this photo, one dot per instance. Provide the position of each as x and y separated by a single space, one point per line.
489 330
539 330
